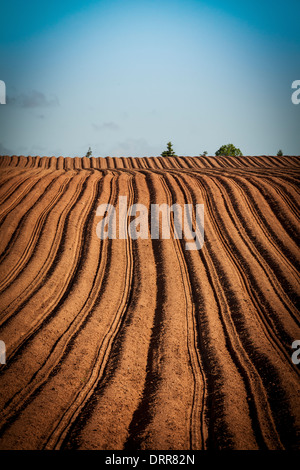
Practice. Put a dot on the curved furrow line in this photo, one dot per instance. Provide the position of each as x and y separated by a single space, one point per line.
4 160
150 163
231 162
15 223
223 378
12 183
291 160
28 256
19 195
290 307
62 426
270 217
125 163
218 163
202 163
6 171
39 274
272 380
198 431
10 273
278 208
292 190
34 322
12 225
259 243
259 414
11 180
39 286
178 162
191 162
275 275
226 162
162 417
160 162
258 162
237 250
27 389
286 195
188 162
143 163
263 227
259 408
269 161
168 162
278 161
114 400
175 162
242 162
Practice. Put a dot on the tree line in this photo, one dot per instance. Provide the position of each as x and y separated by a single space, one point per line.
227 150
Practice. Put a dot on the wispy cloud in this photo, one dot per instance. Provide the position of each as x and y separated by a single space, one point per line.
111 126
34 99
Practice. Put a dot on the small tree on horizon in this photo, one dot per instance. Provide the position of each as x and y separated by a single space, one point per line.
89 153
169 152
279 153
228 150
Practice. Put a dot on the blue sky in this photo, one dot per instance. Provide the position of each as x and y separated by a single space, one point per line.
127 76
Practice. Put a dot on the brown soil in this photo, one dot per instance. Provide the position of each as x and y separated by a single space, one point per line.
141 344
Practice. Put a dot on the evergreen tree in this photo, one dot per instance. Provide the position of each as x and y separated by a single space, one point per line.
89 153
169 152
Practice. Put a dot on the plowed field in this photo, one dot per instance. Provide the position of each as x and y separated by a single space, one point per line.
142 344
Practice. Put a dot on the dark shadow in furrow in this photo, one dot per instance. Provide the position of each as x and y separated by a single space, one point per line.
284 192
285 423
187 163
84 322
57 256
233 307
286 252
48 274
15 185
292 230
143 414
24 218
42 230
87 231
274 266
22 196
219 434
72 441
282 183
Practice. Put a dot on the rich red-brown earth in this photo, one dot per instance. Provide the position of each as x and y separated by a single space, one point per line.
141 344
